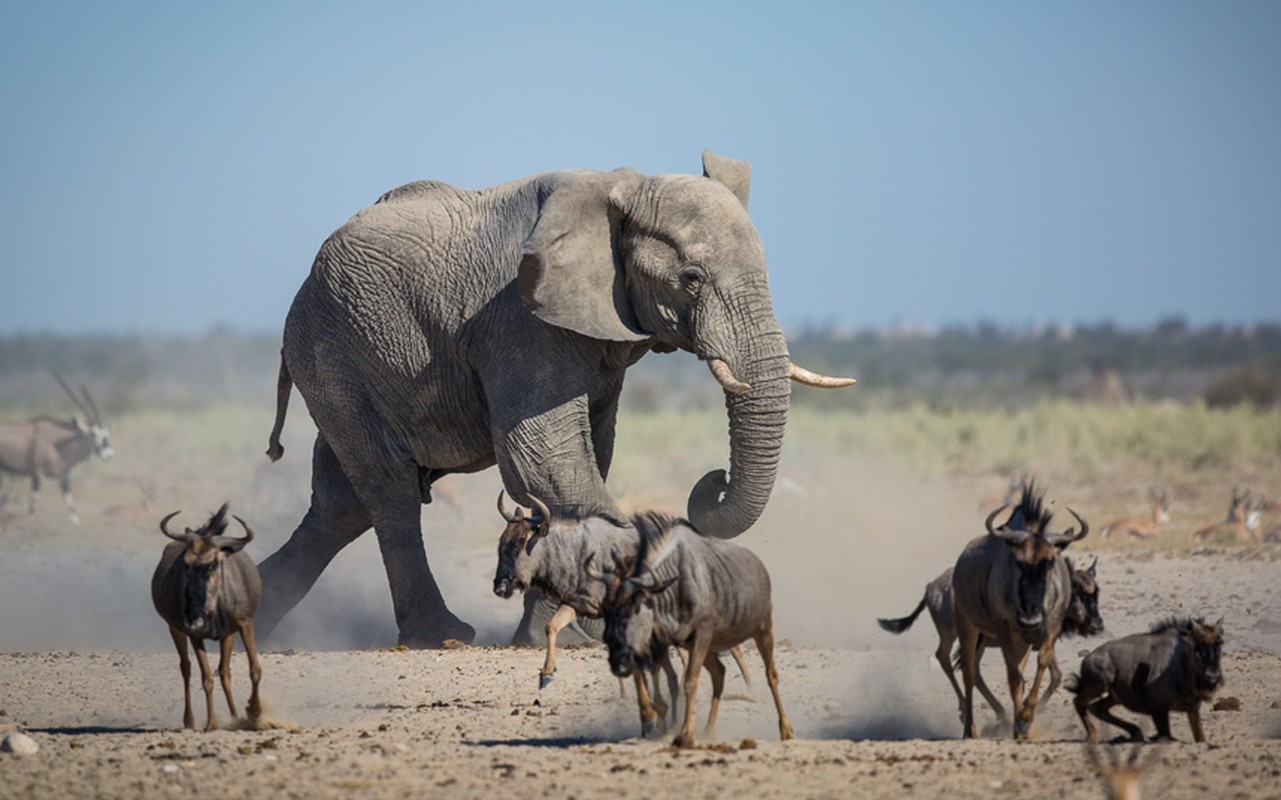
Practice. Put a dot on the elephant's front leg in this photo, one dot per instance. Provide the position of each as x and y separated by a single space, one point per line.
421 614
558 450
554 455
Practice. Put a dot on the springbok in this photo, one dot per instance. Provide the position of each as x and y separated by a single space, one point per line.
1240 526
1141 527
46 447
1013 587
1120 773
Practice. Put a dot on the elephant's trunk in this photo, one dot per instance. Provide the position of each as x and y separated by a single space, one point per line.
757 419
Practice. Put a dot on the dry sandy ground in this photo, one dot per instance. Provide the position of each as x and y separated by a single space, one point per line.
875 720
873 715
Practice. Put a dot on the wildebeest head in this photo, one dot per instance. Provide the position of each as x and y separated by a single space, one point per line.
1035 550
202 559
1083 618
516 545
628 610
1207 647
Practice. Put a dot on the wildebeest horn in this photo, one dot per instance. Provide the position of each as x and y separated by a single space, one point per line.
177 538
802 375
991 517
595 574
224 542
503 510
619 566
1070 535
725 377
249 532
649 583
544 515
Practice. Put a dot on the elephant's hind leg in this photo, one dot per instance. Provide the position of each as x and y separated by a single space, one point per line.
335 519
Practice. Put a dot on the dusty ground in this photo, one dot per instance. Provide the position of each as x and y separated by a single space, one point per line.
877 719
87 670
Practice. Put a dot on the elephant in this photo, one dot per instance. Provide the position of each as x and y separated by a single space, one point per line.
444 330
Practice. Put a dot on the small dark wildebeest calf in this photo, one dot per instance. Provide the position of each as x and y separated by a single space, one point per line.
207 587
1174 667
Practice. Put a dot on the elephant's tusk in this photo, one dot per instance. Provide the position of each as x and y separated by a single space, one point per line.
802 375
726 378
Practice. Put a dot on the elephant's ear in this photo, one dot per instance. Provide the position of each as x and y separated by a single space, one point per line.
735 175
570 273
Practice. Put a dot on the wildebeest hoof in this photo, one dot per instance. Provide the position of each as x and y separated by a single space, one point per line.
1021 729
683 741
544 680
647 728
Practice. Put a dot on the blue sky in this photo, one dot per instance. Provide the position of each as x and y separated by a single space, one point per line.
168 167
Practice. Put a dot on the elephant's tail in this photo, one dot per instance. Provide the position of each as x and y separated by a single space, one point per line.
284 384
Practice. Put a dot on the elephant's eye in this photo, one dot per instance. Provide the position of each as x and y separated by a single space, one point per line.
692 277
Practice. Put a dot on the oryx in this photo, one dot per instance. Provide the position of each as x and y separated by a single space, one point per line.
48 448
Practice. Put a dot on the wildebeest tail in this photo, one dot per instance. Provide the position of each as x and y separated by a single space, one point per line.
284 384
902 623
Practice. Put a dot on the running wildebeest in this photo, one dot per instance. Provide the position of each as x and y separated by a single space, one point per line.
1082 620
545 553
48 448
207 587
686 590
539 552
1013 587
1173 667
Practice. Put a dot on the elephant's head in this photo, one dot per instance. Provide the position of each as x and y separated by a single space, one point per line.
674 260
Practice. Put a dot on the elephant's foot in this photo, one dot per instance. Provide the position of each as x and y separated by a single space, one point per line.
432 632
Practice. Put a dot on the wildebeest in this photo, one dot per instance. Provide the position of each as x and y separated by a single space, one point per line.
207 587
1173 667
545 553
686 590
48 448
1082 619
539 552
1012 587
1141 527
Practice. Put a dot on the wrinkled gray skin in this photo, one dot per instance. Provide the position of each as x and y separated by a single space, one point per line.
444 330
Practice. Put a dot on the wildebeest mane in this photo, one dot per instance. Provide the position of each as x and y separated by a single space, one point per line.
1177 623
1031 513
653 528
